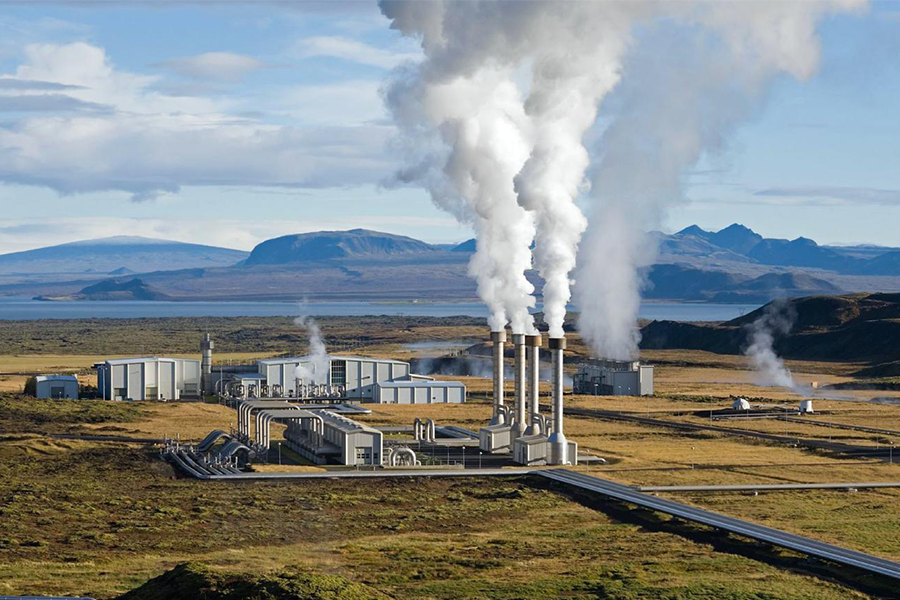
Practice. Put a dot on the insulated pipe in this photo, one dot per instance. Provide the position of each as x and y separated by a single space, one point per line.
519 424
430 434
533 342
498 338
557 440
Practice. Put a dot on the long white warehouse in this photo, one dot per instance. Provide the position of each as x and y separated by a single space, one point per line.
363 378
148 378
420 392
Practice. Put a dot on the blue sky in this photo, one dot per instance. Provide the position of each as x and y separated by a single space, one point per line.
103 104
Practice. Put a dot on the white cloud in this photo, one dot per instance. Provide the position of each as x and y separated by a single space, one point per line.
219 66
354 51
148 142
830 195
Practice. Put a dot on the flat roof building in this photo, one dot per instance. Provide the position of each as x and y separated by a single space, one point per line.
613 378
148 378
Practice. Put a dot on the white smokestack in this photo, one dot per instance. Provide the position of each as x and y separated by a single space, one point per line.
520 422
498 338
316 370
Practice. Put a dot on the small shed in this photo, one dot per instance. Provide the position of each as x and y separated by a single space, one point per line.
56 386
420 392
740 404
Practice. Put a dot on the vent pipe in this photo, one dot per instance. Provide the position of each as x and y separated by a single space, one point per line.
497 339
557 441
533 344
520 422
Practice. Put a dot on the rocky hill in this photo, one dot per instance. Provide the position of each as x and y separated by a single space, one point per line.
853 327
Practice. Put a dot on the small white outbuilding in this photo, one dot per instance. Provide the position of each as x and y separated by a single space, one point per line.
740 404
56 386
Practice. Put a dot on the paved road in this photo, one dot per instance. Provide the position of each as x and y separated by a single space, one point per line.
759 532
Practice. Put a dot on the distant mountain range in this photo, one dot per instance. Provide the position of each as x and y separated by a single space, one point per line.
732 265
119 255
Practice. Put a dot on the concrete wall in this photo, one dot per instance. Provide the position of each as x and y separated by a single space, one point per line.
150 379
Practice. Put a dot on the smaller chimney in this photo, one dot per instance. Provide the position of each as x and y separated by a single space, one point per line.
498 338
206 348
533 345
559 446
520 422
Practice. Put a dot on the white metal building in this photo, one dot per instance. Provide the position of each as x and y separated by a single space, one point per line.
613 378
420 392
342 441
56 386
148 378
358 374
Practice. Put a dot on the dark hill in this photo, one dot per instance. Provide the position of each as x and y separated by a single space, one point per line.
855 327
116 289
328 245
198 582
801 252
466 246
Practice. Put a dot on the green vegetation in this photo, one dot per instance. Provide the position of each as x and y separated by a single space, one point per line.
198 582
100 519
231 334
24 414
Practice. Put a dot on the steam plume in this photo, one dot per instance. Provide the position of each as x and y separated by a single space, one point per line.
689 82
316 369
494 117
777 319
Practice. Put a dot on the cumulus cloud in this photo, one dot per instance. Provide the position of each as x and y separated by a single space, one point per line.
219 66
354 51
146 142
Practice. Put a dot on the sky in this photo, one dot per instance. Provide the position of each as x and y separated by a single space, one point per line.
228 123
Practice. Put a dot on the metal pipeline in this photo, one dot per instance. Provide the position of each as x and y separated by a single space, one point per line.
519 424
533 343
557 441
498 338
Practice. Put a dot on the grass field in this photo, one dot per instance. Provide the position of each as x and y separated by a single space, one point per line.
96 518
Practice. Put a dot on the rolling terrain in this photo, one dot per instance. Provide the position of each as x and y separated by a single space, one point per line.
731 265
856 327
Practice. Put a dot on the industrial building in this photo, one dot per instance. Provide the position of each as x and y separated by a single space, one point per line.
148 378
325 437
420 392
56 386
355 378
613 378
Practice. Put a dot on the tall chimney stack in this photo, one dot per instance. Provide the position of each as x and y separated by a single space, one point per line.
206 348
520 422
533 343
559 446
498 338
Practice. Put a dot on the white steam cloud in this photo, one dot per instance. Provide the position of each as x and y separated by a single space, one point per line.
777 319
316 369
493 122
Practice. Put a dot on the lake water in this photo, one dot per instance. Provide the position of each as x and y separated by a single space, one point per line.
25 308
